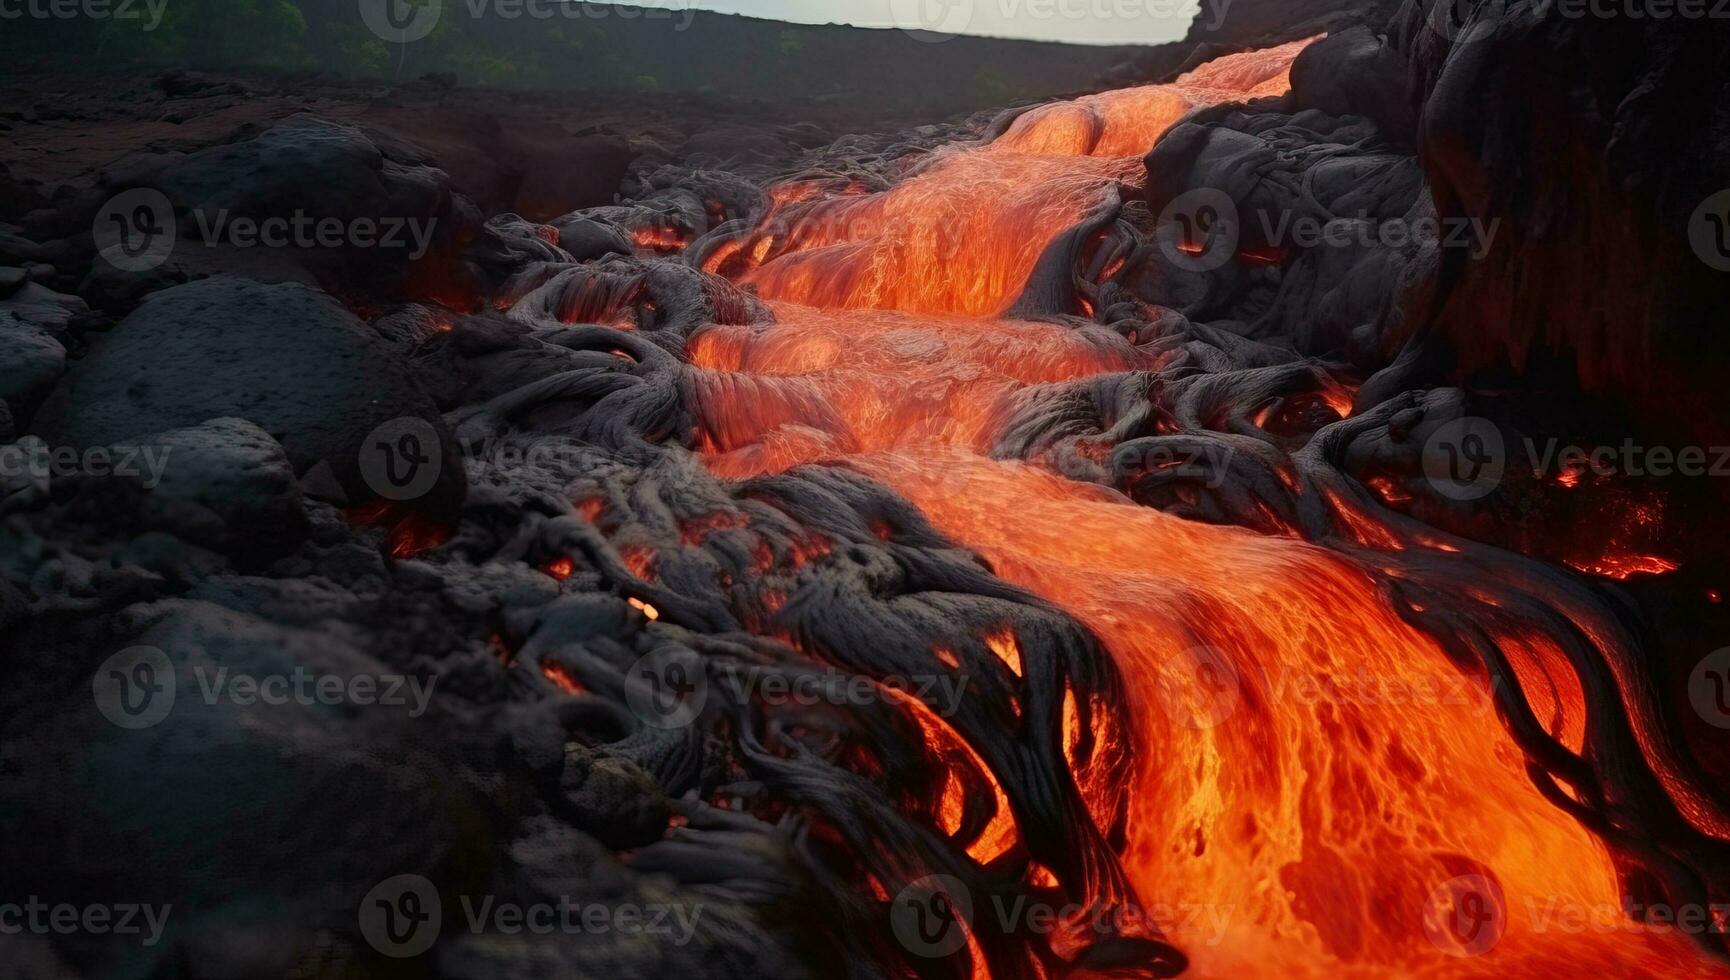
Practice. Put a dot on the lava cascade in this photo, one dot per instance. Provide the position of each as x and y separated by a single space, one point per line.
1316 829
961 234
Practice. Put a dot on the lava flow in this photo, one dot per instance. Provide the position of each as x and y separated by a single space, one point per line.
1321 789
962 233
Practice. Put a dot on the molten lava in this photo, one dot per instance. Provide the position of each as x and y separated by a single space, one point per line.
1321 791
961 233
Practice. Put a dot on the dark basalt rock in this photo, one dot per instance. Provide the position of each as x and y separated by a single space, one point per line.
1601 173
225 484
303 162
1309 192
285 357
198 809
381 205
586 239
31 361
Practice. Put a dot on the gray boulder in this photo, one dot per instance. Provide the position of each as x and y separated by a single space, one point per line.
336 209
225 484
30 361
304 163
287 358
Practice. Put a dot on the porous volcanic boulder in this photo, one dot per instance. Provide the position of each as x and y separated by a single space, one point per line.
304 162
286 357
307 200
226 484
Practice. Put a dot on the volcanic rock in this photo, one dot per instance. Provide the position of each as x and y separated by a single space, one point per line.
186 809
225 483
43 306
30 361
361 213
286 358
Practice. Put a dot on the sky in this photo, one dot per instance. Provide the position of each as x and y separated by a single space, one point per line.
1075 21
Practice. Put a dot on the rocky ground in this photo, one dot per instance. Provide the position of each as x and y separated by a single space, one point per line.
200 482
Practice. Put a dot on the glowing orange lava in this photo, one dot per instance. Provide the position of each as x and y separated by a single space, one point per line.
1316 778
961 234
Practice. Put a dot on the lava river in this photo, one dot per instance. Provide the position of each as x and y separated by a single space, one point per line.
1314 776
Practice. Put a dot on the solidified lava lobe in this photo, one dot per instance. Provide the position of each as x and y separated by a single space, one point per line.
1315 775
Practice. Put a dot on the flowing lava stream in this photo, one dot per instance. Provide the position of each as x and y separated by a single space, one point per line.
1294 818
